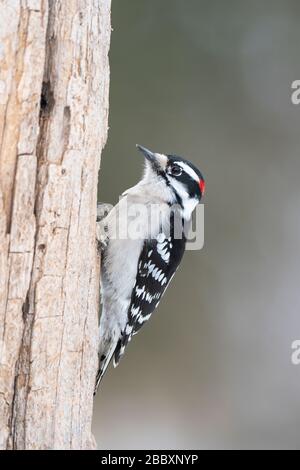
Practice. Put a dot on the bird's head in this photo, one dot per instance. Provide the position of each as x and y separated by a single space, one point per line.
183 182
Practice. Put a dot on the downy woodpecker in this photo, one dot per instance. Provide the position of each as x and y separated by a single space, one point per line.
140 249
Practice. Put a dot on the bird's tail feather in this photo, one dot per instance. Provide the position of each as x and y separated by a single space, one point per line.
120 348
104 360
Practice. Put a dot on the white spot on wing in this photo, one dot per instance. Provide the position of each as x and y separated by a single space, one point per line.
162 248
128 329
143 319
161 237
135 311
139 291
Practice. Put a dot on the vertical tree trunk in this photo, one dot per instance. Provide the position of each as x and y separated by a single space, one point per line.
54 79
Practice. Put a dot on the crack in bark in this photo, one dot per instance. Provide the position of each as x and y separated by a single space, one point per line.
47 100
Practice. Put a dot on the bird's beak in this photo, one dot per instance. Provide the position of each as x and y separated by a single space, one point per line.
157 161
147 153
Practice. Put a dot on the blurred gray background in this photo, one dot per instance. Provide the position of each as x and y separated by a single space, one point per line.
211 80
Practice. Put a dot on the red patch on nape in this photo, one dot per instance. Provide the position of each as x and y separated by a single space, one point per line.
202 186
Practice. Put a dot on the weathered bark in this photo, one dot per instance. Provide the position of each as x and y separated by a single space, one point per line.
54 78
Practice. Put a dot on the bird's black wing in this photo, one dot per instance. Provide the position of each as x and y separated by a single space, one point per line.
157 264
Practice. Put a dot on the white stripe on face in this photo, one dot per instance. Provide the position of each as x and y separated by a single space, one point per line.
188 170
188 203
189 206
180 189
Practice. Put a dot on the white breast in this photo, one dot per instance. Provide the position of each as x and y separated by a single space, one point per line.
127 226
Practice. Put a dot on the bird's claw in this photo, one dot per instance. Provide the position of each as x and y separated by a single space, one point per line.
103 210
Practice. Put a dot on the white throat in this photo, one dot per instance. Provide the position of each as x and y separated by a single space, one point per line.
188 208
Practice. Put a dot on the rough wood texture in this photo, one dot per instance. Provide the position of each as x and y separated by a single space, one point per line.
54 79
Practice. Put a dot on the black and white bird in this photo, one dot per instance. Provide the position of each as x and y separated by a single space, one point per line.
142 242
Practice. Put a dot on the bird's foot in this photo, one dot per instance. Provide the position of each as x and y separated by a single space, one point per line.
103 210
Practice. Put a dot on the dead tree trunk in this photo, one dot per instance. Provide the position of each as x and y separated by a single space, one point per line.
54 80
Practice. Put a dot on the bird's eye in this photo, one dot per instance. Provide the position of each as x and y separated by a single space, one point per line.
175 170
